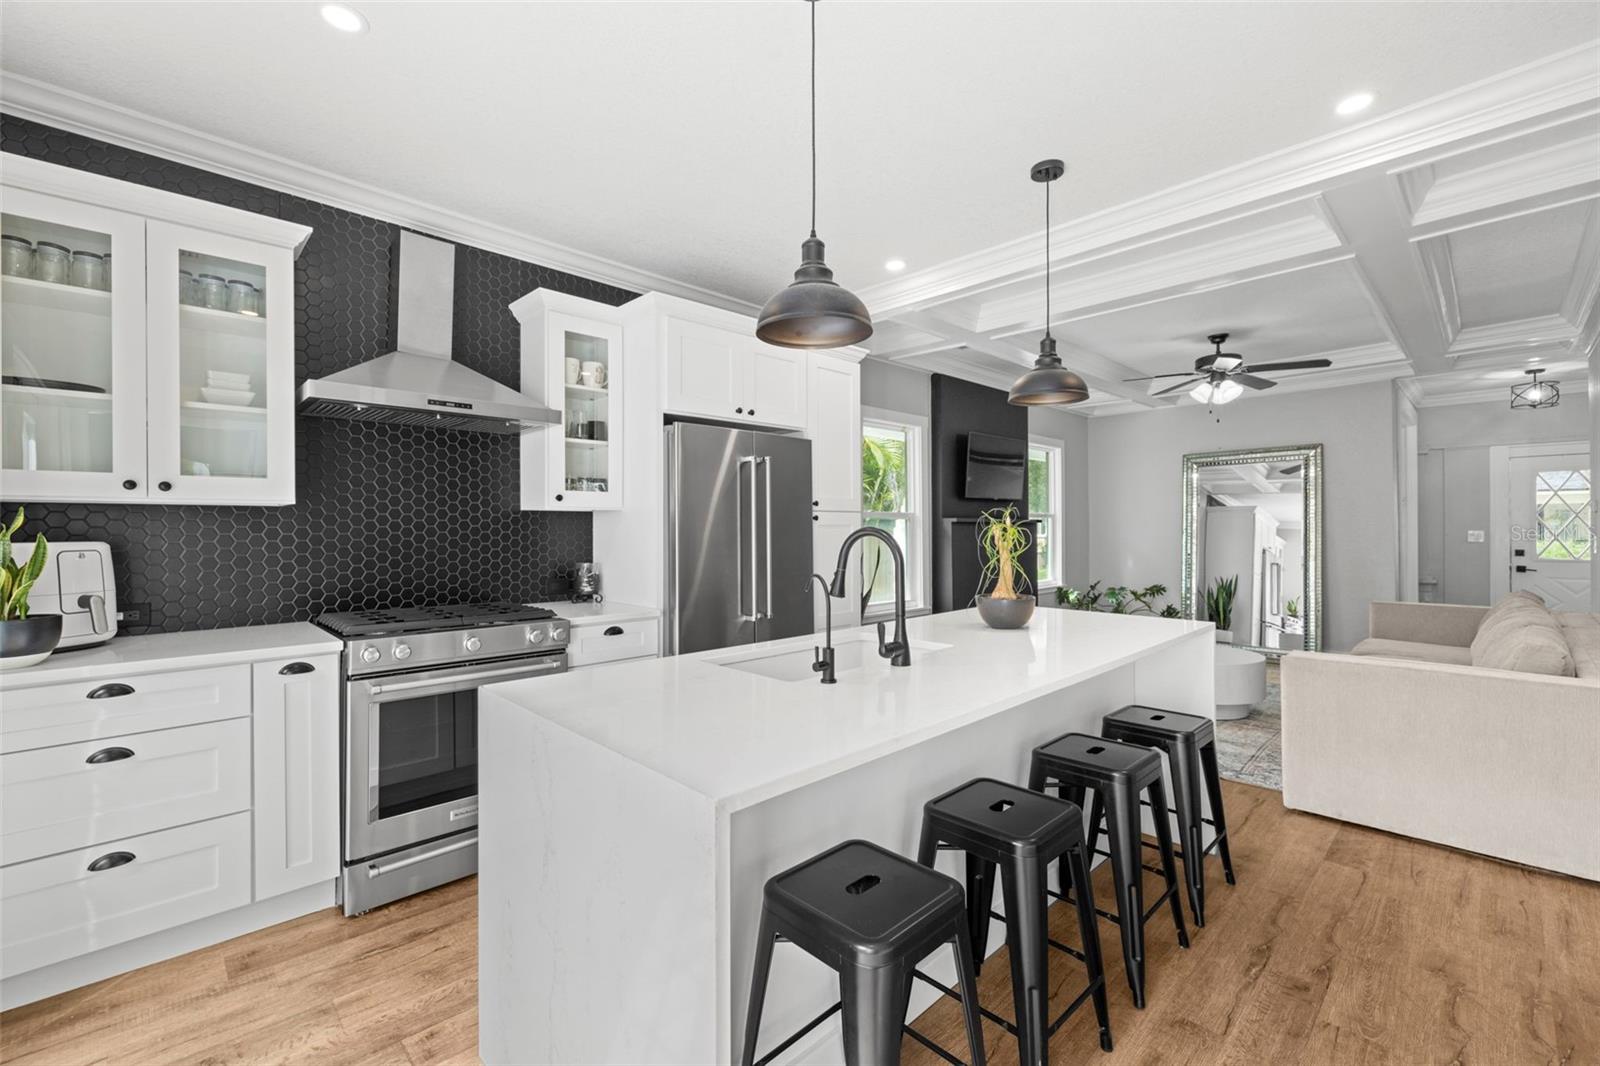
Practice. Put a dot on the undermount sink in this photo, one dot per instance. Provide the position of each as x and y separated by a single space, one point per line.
850 653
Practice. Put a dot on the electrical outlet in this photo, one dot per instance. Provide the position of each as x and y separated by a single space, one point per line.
134 614
1474 536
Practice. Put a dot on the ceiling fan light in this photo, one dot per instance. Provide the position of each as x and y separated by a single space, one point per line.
1226 392
1202 392
814 311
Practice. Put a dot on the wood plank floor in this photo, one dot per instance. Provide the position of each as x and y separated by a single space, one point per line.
1339 945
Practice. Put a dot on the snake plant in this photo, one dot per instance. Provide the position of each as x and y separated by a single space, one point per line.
1219 601
16 581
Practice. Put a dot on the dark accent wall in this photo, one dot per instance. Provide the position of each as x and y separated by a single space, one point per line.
958 408
385 515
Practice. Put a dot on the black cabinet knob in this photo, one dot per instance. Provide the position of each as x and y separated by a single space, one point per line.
739 410
816 518
130 484
816 503
165 486
752 411
559 497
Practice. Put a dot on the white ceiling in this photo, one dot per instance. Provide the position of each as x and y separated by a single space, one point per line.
665 142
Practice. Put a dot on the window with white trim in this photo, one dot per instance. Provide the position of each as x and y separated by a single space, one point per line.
894 498
1044 505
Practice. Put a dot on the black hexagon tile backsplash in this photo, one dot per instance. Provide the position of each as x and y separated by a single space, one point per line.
385 515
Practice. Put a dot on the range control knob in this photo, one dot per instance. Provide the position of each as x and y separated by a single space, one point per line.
558 633
370 655
402 651
472 643
535 635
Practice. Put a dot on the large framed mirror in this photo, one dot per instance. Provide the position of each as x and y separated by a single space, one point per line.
1252 527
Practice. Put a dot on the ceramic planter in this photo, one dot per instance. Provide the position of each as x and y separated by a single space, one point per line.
1224 636
26 641
1006 614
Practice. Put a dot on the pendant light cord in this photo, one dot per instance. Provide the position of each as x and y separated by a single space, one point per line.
1047 257
813 117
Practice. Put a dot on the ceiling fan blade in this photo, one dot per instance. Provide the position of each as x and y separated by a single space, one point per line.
1292 364
1157 377
1250 381
1178 387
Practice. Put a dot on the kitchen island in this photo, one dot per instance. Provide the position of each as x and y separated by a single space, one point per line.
630 815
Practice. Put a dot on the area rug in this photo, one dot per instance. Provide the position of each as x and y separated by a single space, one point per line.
1251 749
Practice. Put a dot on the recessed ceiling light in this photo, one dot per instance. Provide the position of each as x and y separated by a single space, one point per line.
894 266
1355 103
344 19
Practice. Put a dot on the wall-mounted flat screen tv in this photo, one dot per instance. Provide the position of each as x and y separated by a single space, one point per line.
997 467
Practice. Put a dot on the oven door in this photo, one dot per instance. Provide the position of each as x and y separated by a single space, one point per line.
411 753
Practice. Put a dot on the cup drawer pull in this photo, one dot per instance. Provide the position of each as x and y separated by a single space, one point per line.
111 861
106 692
110 755
613 631
296 668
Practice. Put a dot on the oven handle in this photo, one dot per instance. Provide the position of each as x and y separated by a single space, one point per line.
459 680
378 869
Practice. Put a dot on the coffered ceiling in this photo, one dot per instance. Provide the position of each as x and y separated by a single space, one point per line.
1449 233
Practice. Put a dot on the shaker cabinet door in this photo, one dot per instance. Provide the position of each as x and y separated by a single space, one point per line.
834 426
296 734
706 371
777 385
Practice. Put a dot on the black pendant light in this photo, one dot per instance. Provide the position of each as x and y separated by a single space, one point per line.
814 311
1048 383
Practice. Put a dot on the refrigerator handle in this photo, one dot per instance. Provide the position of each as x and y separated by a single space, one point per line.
766 461
755 604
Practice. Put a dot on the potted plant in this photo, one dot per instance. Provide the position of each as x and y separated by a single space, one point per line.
1001 541
1118 599
1219 606
1292 608
24 641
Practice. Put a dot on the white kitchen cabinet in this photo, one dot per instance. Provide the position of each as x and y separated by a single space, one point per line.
834 426
727 375
106 369
572 361
828 530
295 725
594 643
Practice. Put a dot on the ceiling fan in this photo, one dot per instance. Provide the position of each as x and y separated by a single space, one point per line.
1221 377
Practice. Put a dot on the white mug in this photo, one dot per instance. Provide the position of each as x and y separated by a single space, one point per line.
594 374
572 371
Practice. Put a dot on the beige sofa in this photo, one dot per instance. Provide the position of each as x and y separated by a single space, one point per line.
1408 735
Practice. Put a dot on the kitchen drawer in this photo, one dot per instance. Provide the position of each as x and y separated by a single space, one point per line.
590 645
90 710
76 795
57 907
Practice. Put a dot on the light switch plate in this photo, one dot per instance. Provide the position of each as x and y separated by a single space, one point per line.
1474 536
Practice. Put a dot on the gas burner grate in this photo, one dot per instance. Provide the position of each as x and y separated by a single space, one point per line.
391 621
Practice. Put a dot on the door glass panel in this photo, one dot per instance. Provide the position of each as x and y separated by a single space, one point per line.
586 403
1561 501
55 347
427 751
222 367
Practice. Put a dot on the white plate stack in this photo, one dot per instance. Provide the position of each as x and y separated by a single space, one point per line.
227 388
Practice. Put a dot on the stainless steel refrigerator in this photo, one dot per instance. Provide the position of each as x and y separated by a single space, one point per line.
738 537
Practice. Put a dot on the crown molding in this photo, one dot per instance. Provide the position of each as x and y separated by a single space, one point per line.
1567 82
1568 165
1486 394
63 109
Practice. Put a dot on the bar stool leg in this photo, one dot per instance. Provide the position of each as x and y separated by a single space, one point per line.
765 938
1097 811
874 1009
1186 798
1072 794
967 981
1208 761
1022 887
980 901
1089 931
1158 801
1122 826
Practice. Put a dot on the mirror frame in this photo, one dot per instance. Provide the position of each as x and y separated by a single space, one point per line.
1311 456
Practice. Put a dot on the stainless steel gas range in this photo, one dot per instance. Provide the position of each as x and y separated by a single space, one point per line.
410 739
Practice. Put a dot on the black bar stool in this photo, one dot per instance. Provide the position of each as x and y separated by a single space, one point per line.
1117 773
997 823
1190 742
871 915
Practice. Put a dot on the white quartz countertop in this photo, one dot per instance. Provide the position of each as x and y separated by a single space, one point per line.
595 614
739 737
175 651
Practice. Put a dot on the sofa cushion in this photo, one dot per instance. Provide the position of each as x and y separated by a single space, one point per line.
1412 649
1537 646
1583 641
1509 616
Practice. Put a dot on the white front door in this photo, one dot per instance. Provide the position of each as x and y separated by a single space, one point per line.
1552 528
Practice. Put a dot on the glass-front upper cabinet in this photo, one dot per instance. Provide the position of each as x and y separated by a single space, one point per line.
221 330
572 361
72 370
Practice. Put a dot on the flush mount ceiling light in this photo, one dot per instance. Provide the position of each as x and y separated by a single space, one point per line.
1354 104
342 18
1048 383
1535 394
814 311
894 266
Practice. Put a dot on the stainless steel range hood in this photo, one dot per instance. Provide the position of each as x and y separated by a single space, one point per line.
419 384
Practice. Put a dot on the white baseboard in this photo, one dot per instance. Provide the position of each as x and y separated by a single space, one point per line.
120 958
